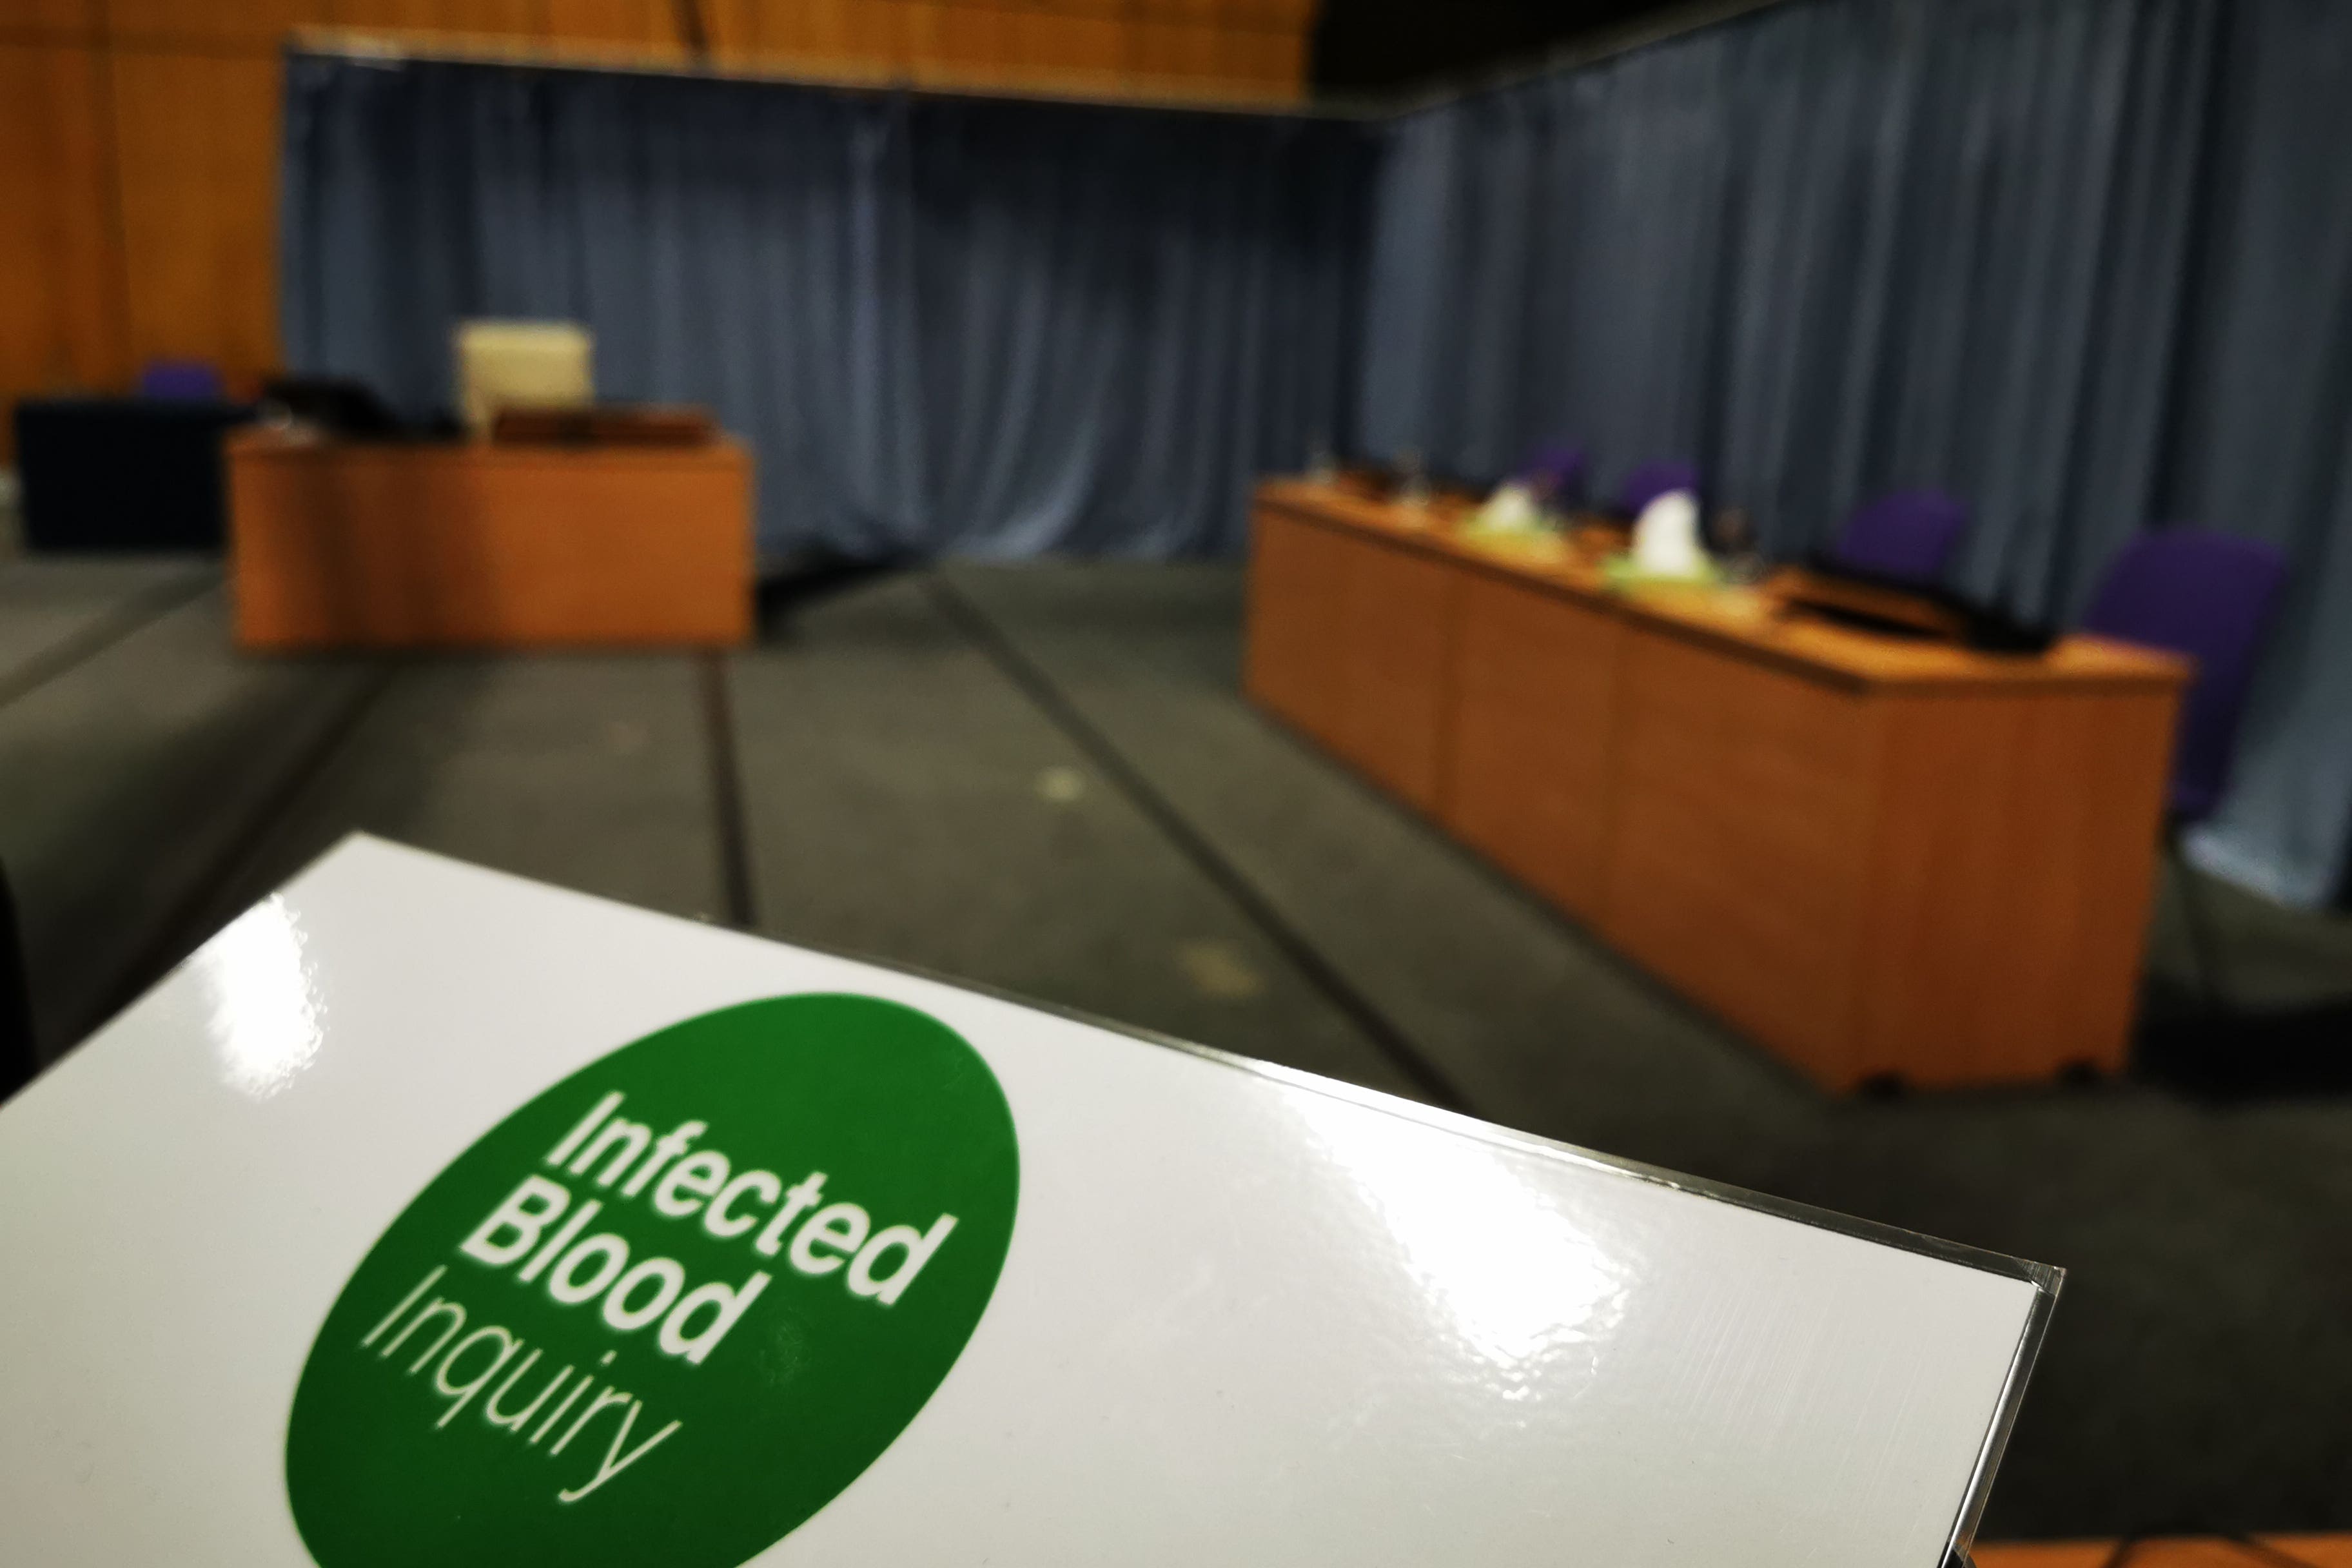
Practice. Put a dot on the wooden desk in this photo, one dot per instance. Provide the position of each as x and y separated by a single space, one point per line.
2318 1551
384 545
1875 856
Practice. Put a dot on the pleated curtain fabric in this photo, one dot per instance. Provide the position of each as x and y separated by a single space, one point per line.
1827 251
2261 442
986 327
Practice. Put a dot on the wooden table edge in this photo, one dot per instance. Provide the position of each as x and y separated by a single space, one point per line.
251 444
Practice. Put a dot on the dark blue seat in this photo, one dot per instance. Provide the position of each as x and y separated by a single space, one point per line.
1651 480
1908 536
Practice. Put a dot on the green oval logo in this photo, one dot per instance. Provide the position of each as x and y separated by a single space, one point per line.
668 1310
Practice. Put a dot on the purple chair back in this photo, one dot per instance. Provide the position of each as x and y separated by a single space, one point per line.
1908 536
2209 596
1556 471
1651 480
181 380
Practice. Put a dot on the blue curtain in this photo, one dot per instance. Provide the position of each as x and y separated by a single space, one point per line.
1825 251
2085 263
2263 437
986 327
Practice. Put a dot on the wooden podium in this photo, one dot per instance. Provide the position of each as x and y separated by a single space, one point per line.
1875 856
351 544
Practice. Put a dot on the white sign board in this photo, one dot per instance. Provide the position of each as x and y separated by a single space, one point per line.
427 1214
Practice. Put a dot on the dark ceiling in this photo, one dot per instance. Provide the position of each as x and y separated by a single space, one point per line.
1387 46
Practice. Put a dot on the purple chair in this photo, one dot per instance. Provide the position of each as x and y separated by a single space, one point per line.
1555 472
182 381
1651 480
2209 596
1908 536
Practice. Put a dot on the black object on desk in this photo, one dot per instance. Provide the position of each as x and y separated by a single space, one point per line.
335 405
1831 589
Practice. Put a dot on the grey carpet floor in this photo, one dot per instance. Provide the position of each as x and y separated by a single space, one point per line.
1043 779
136 754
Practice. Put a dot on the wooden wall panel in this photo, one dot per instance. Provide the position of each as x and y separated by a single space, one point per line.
48 21
1161 49
852 30
197 142
212 25
649 24
943 42
521 19
1294 17
1266 59
734 28
1094 44
1088 48
987 42
59 267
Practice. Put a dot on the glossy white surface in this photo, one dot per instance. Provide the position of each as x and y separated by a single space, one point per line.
1665 537
1245 1318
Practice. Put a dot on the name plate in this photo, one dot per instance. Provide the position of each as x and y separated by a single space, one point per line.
431 1215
